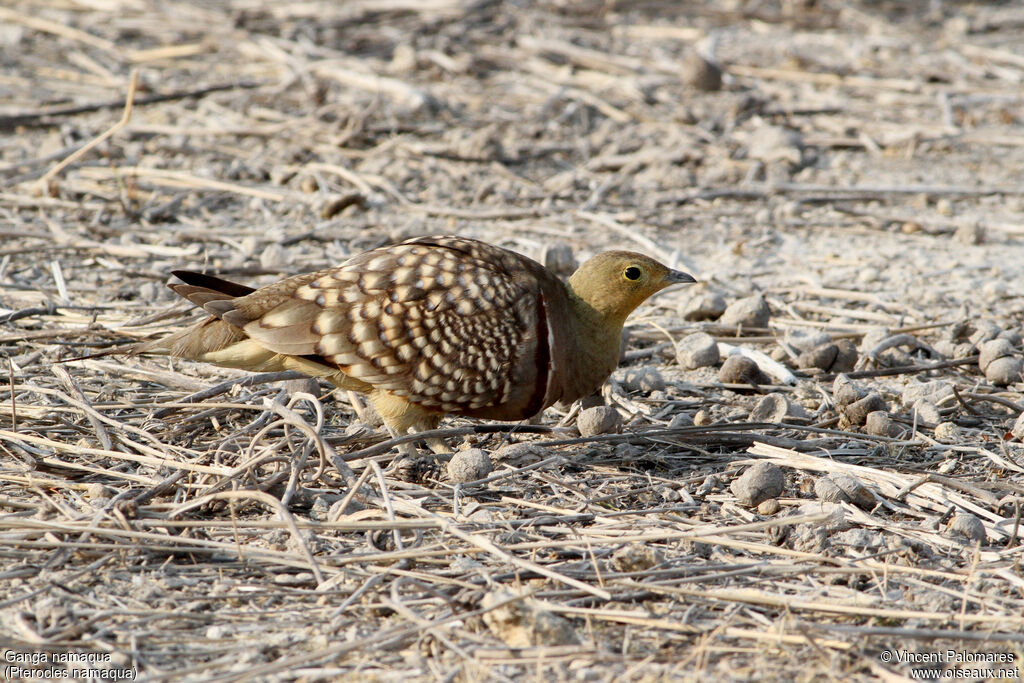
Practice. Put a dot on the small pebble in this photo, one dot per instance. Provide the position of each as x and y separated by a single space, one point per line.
934 392
965 525
1012 336
95 491
821 357
469 465
860 539
760 481
769 507
845 391
700 73
809 539
751 311
857 412
993 349
703 306
599 420
1004 371
949 432
846 359
698 350
559 259
854 489
739 369
776 408
643 379
636 557
994 289
772 144
803 341
702 418
827 490
681 420
879 423
519 454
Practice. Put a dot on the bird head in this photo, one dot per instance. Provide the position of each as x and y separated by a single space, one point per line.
615 282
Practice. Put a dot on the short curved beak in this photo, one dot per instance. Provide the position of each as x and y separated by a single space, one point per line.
678 277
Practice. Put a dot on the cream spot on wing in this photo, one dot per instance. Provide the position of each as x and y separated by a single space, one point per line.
283 316
364 331
371 348
372 282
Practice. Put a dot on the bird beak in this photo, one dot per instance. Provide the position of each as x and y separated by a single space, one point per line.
678 277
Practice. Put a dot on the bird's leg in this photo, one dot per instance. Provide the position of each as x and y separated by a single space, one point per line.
402 417
436 445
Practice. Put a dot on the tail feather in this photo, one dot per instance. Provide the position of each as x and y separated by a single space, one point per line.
215 284
209 293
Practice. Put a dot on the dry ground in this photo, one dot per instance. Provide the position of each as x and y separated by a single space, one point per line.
860 167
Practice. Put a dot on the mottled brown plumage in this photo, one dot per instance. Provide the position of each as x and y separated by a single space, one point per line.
431 326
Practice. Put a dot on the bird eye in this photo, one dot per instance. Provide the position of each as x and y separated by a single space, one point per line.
632 273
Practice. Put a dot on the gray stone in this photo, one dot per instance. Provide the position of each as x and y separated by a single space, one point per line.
776 408
878 423
934 392
636 557
760 481
698 350
751 311
993 349
559 259
738 369
827 490
1005 370
855 491
947 432
700 73
703 306
967 526
519 454
845 391
821 357
643 379
599 420
857 412
469 465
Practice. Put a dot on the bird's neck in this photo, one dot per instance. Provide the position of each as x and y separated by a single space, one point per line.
597 338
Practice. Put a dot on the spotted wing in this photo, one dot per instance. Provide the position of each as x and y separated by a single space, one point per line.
447 323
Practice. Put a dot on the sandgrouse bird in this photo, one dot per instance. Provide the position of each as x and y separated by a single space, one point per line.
428 327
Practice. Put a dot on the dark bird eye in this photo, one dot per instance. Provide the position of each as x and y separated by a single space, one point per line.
632 273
